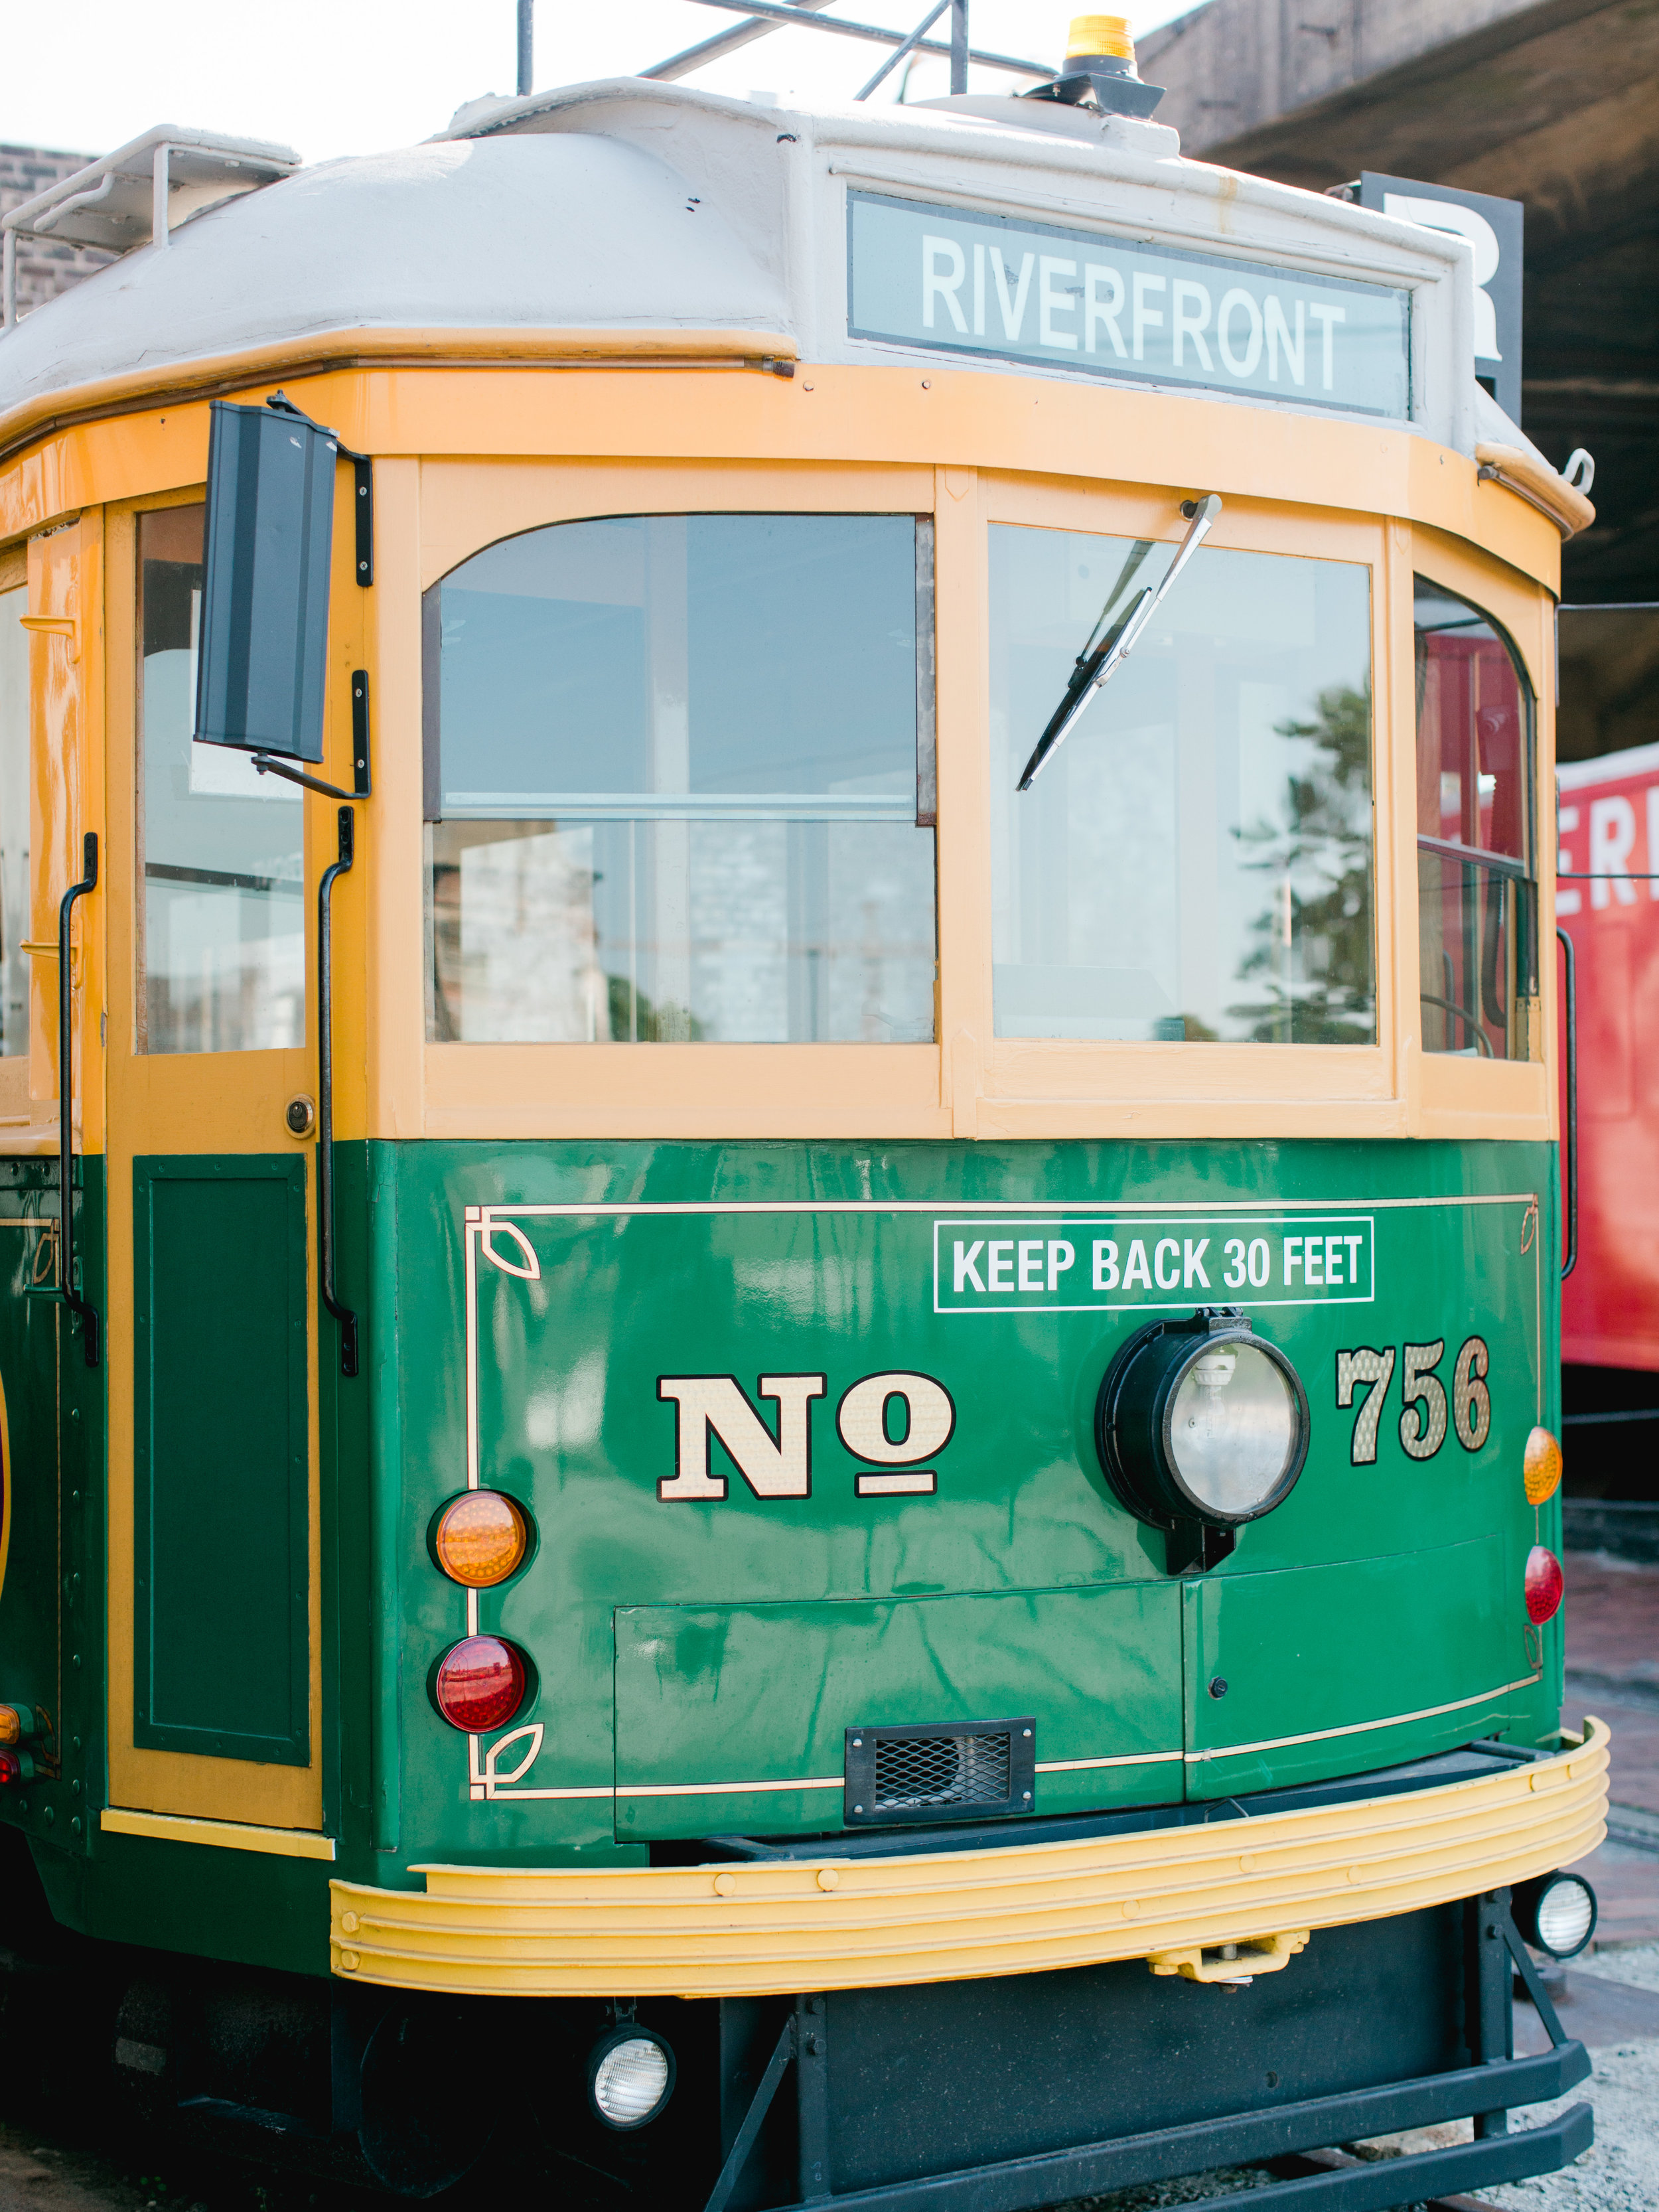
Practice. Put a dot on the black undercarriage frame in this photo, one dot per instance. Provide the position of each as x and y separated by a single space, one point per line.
1486 2092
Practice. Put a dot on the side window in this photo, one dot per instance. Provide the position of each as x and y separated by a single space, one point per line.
14 821
679 783
1196 860
1476 891
221 937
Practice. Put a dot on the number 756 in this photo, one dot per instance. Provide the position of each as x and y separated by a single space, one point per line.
1423 1413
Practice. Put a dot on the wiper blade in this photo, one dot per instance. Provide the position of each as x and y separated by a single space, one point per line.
1098 662
1095 664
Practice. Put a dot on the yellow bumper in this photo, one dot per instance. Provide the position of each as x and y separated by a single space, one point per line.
829 1923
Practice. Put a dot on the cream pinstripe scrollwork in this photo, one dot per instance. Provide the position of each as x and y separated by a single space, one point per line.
489 1782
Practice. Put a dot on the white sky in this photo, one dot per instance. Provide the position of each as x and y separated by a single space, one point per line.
349 77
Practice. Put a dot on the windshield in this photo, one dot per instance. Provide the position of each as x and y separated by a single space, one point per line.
682 786
1195 861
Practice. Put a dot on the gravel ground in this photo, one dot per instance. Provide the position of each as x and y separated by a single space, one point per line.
1619 2173
1637 1964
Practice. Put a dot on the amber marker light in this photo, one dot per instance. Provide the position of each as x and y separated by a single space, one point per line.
480 1683
15 1723
1543 1585
481 1538
1540 1467
1099 35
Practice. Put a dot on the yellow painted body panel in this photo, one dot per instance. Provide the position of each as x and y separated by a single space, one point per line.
825 1924
179 1103
838 414
223 1835
470 450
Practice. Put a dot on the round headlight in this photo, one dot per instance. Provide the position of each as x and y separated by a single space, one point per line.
1556 1914
631 2077
1202 1420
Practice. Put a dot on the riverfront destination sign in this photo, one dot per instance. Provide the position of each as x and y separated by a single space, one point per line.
960 281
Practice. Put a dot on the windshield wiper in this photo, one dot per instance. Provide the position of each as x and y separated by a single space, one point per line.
1104 654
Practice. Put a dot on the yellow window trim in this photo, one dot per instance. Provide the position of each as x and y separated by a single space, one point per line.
839 414
225 1835
842 438
332 353
1451 1096
827 1923
968 1083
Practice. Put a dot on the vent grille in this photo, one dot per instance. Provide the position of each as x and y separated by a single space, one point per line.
919 1771
922 1773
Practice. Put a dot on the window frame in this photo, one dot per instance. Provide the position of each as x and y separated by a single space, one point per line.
1036 1086
1524 871
718 1090
1449 1094
968 1083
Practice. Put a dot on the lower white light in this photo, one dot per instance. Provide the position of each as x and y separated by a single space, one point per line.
1233 1428
1566 1913
631 2081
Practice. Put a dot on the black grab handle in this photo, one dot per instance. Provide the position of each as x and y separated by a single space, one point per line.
344 1314
72 1297
1571 1259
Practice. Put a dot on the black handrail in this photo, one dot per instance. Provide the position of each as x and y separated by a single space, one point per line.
72 1297
1571 1259
344 1314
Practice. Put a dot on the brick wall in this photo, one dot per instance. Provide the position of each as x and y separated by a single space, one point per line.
44 269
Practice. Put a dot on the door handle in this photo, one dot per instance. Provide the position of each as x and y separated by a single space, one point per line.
72 1297
342 1314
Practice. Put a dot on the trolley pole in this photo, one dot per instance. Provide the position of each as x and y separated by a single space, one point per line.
959 44
527 43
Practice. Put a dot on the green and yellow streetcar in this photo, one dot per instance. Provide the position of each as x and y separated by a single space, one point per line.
781 1189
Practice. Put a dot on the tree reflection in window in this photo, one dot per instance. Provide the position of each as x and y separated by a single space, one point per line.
1312 957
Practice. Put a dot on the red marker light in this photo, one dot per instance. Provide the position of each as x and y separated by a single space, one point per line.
479 1683
1543 1585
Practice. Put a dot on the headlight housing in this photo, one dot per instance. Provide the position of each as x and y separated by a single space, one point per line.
1556 1913
631 2077
1201 1426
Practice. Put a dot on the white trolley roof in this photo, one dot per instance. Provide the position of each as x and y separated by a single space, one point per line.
632 206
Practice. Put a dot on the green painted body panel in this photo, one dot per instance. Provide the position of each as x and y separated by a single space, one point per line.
1425 1632
721 1691
720 1640
220 1442
681 1642
53 1597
